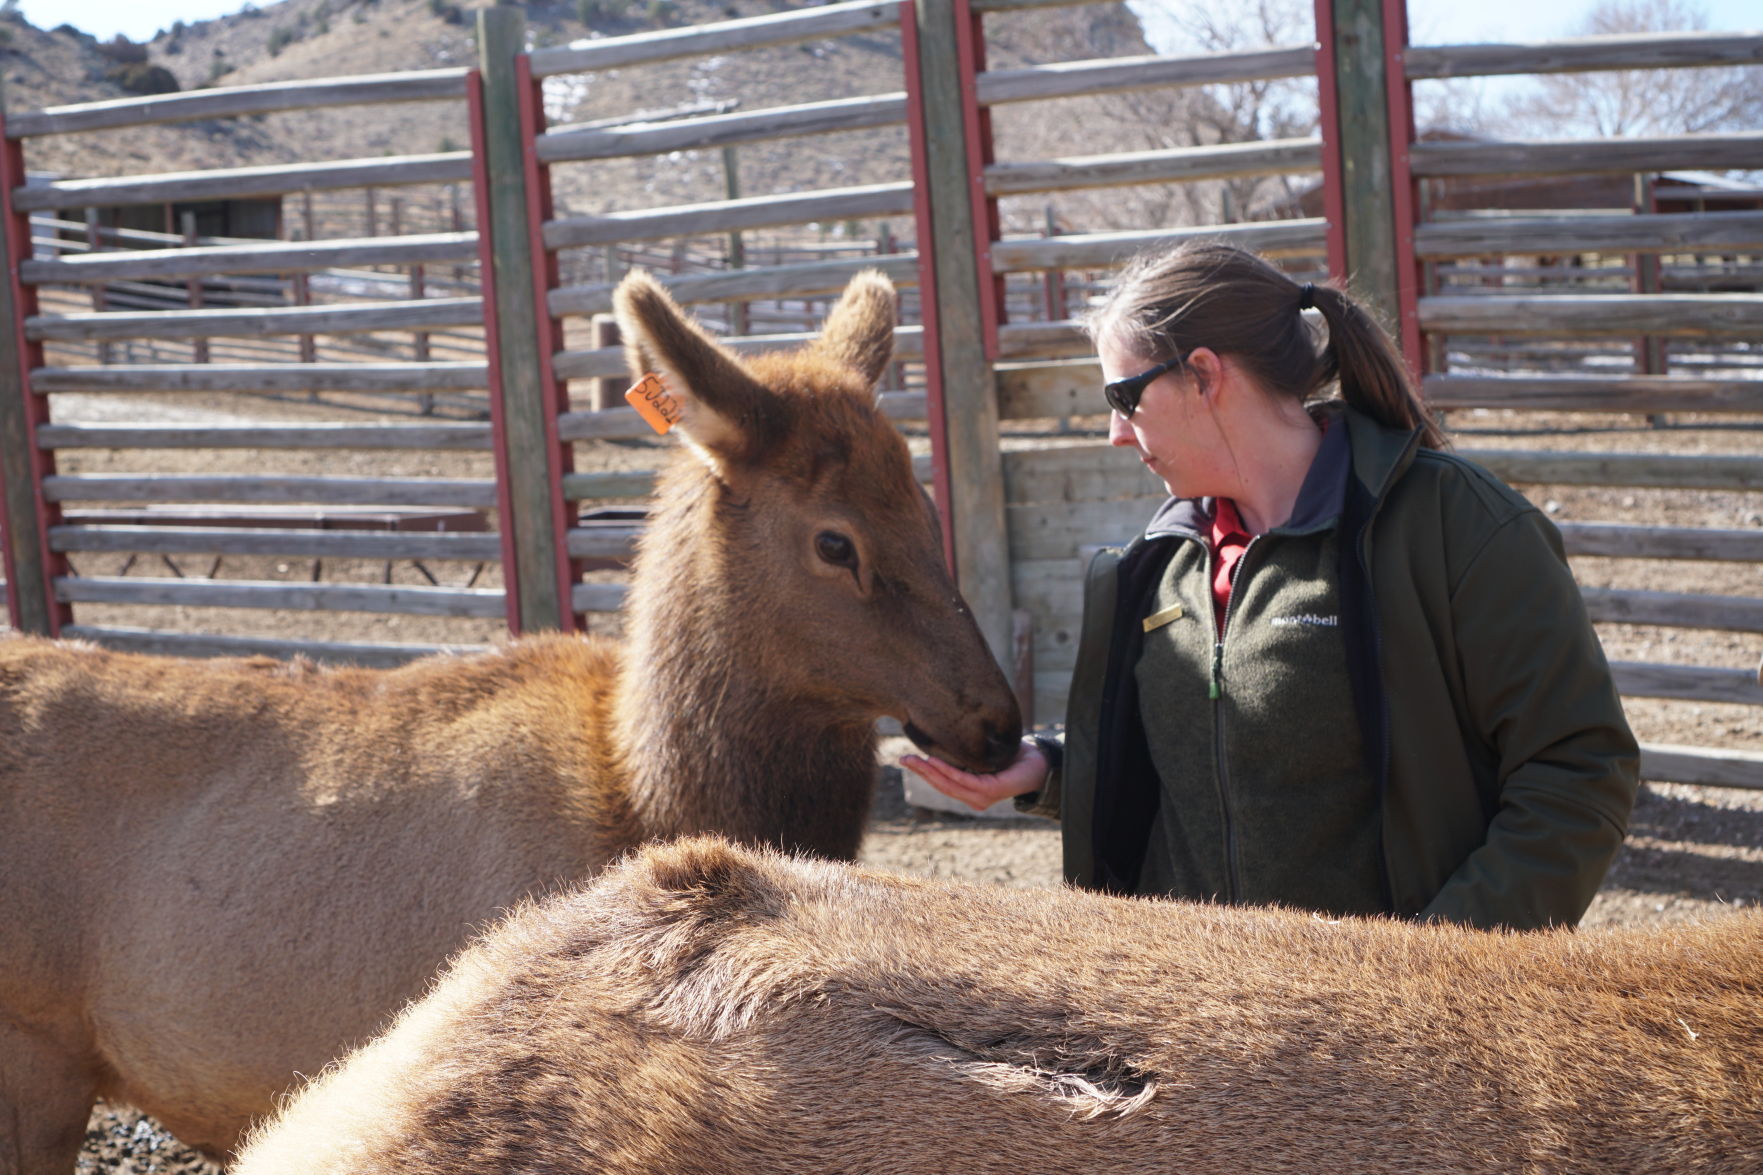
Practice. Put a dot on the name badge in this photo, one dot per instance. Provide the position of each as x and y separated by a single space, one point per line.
1157 620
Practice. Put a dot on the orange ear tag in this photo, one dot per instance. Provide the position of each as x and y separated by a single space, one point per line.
649 397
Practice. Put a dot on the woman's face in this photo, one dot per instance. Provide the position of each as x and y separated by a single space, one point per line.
1173 429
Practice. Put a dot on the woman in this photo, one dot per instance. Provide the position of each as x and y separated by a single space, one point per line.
1341 669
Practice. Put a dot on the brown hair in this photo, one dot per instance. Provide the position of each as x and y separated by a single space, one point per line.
1210 294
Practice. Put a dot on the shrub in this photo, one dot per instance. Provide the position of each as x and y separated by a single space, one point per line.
140 78
592 12
123 51
280 38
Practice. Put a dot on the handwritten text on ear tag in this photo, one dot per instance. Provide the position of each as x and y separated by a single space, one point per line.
649 397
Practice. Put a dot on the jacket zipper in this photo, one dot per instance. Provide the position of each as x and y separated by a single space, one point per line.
1215 691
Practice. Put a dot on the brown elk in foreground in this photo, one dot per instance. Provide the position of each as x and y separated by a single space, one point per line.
220 875
712 1010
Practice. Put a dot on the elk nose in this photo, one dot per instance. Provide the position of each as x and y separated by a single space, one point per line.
1000 746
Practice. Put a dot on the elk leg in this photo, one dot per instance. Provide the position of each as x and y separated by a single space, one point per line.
45 1099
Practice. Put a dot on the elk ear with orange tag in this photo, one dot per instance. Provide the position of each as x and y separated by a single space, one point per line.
715 405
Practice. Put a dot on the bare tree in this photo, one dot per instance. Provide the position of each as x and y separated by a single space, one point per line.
1159 118
1640 103
1236 113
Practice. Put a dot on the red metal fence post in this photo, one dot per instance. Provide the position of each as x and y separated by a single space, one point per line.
26 514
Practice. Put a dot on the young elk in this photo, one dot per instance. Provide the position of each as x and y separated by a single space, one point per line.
221 875
715 1011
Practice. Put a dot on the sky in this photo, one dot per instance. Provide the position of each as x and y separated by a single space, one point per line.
1452 22
1432 22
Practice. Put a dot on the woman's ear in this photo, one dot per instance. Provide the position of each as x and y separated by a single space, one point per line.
1206 370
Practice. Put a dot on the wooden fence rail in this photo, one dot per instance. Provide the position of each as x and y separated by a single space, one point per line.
809 279
1578 156
303 597
1273 238
186 644
237 540
1661 542
831 204
1661 470
1581 54
414 86
1595 393
463 437
1072 79
356 318
1567 235
723 130
1597 315
271 377
280 257
1174 165
239 183
782 28
221 487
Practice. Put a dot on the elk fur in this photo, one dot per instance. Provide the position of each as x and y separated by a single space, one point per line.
703 1009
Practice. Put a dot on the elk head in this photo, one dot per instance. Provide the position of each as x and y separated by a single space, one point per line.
801 530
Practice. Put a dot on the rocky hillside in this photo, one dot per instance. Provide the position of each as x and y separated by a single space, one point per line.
326 38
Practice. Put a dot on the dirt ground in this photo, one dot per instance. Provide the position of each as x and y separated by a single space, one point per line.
1692 851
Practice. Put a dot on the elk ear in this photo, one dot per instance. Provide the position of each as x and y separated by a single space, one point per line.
859 333
725 412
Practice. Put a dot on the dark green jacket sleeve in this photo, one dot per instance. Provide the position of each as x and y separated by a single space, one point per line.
1047 801
1539 690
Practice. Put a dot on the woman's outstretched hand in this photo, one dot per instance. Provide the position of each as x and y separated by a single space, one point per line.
1025 774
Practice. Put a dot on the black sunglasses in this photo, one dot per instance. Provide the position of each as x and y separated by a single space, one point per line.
1123 394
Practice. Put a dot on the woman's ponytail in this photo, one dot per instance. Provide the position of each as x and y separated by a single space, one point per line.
1372 377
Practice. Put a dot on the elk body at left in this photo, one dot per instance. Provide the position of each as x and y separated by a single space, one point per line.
220 876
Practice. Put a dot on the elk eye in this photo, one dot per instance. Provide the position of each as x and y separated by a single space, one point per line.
835 548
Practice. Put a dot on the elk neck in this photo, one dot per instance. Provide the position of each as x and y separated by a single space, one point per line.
714 737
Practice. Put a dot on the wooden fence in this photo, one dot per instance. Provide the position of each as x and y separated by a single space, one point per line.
993 371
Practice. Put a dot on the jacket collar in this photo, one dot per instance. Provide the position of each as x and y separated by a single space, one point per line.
1381 455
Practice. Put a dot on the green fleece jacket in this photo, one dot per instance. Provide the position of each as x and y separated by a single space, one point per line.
1488 718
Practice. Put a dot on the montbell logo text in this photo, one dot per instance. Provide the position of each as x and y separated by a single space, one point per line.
1310 619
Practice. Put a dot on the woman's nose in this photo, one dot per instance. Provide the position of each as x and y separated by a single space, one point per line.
1119 431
